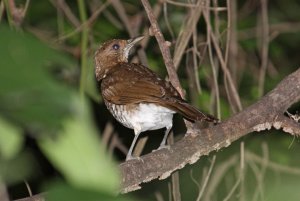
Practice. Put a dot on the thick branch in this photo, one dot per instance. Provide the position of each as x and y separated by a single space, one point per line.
259 116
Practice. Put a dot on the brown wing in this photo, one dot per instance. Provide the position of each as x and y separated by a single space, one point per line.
135 83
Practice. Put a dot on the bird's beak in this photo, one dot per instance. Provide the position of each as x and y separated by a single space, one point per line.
131 42
135 40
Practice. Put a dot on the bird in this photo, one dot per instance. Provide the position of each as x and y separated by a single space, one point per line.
135 95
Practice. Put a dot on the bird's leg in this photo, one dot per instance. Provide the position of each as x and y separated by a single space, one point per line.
164 141
129 154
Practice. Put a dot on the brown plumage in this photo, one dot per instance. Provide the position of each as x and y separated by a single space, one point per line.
135 95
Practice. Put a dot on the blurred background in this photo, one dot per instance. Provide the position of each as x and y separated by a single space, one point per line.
56 135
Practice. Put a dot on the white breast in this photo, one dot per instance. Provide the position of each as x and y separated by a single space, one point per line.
146 116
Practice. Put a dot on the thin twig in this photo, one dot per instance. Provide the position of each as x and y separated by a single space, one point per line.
213 66
264 46
190 5
28 188
273 165
195 61
206 178
1 10
219 173
107 133
158 196
163 47
87 23
231 51
116 143
262 172
242 171
165 8
235 186
186 31
175 182
64 7
233 89
279 28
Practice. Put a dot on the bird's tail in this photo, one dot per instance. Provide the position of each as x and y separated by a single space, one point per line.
192 113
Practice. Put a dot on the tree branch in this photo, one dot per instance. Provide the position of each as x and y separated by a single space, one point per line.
264 114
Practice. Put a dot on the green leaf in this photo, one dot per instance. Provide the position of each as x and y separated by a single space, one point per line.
14 170
11 139
78 154
29 94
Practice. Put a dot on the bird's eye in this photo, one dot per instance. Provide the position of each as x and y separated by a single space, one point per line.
116 46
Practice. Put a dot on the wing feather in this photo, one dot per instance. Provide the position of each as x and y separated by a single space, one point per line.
126 86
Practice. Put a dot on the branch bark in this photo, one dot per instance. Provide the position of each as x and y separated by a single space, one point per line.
262 115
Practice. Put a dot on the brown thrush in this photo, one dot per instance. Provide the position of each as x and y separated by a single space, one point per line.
135 95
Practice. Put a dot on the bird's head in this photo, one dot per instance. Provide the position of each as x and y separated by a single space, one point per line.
111 53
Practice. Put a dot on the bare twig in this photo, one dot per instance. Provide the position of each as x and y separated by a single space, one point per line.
187 29
17 13
64 7
264 46
219 173
28 188
139 147
206 179
107 133
272 165
235 186
165 6
213 65
163 47
175 182
242 171
261 174
279 28
232 88
1 10
117 143
190 5
87 23
231 43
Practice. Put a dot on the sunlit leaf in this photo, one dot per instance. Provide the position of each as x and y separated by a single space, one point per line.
14 170
78 154
11 139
